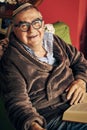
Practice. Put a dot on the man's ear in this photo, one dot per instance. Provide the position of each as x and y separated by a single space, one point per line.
43 24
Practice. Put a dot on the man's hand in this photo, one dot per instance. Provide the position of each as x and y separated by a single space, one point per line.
4 42
36 126
1 51
3 45
76 91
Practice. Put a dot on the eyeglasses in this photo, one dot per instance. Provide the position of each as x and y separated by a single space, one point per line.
25 26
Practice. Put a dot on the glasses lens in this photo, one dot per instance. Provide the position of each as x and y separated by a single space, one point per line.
37 24
24 27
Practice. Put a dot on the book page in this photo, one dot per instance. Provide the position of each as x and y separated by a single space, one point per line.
77 113
79 107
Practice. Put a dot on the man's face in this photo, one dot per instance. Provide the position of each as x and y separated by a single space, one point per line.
32 37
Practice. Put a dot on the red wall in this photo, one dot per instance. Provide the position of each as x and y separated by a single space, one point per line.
72 12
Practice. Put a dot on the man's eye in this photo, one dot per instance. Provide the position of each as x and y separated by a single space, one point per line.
23 26
37 23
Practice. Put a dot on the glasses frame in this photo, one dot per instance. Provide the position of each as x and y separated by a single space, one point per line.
28 24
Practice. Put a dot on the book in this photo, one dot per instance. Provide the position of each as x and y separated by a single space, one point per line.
77 113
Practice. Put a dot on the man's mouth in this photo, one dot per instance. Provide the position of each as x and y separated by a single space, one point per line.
34 36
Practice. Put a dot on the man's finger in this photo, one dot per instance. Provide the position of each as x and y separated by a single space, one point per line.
71 91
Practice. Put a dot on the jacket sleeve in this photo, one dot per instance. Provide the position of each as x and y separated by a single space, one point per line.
17 102
78 63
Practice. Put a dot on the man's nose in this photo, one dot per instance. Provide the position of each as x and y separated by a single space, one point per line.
30 29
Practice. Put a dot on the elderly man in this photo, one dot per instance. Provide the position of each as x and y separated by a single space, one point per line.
42 75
